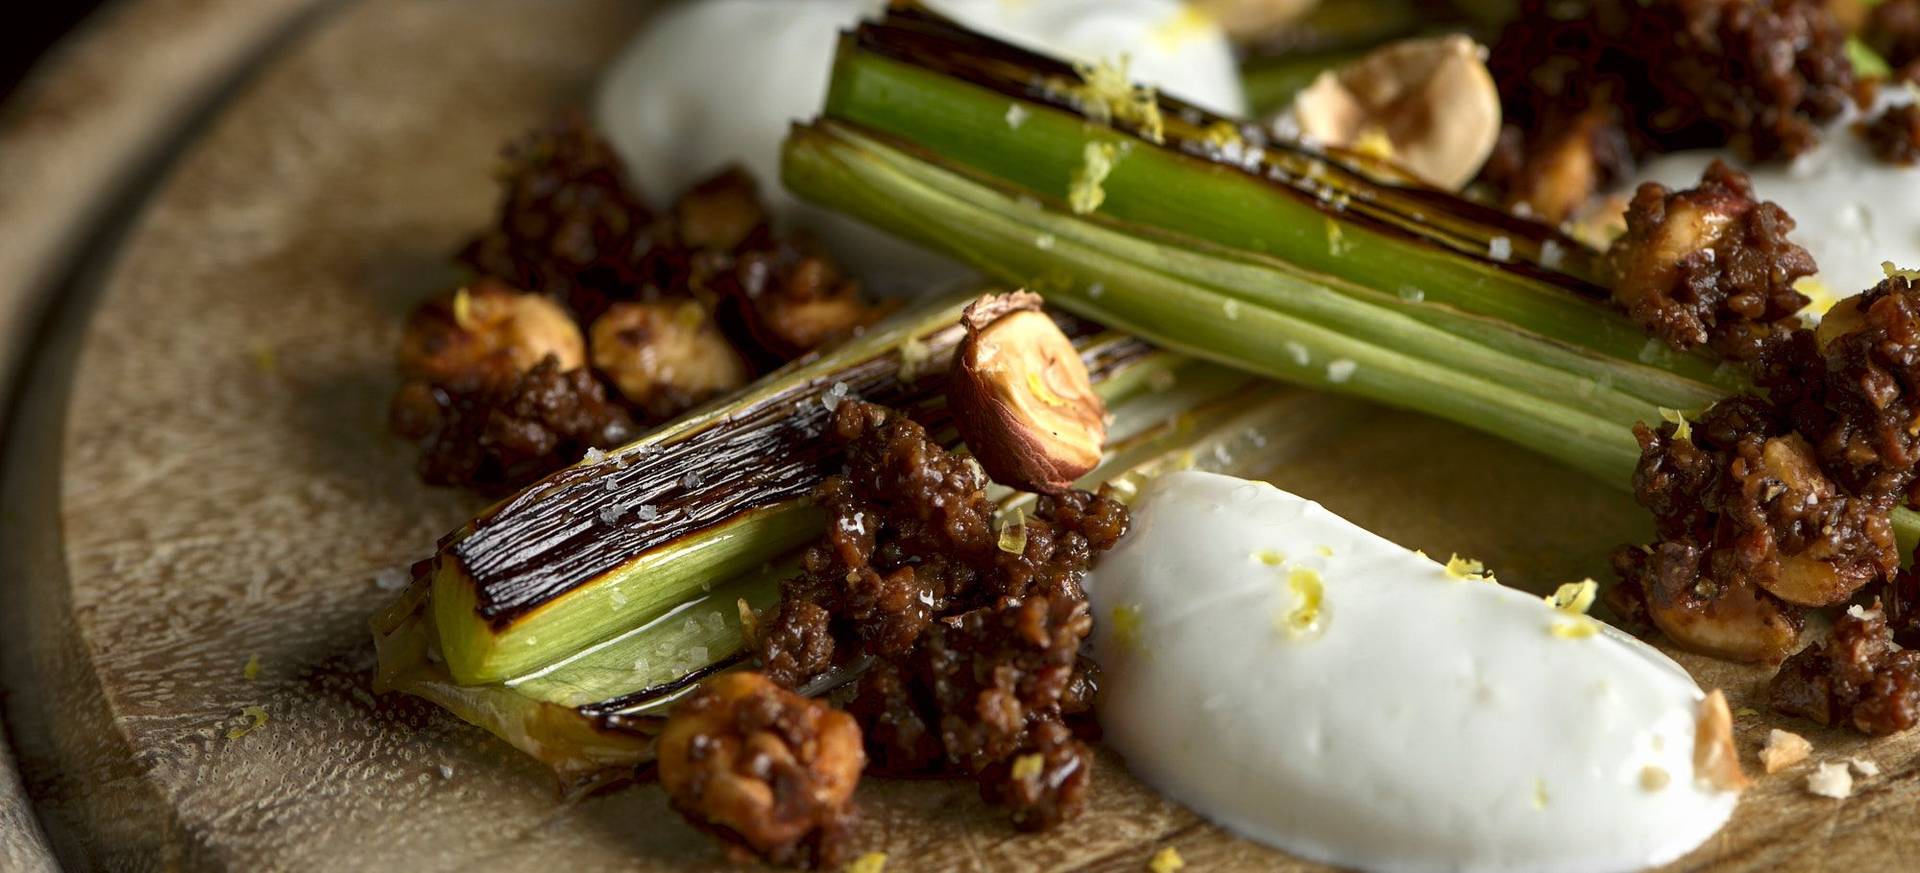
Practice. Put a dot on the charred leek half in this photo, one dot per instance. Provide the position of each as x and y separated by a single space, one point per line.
1211 240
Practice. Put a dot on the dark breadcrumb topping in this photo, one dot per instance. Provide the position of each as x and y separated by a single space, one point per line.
1764 507
571 224
1854 390
977 638
1709 265
1578 76
1893 30
500 434
768 771
1858 678
573 228
1894 135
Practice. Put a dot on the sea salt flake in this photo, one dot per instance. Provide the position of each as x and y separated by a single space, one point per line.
646 512
693 480
1500 248
1340 370
1016 115
833 395
1299 353
390 579
1552 254
1831 779
593 455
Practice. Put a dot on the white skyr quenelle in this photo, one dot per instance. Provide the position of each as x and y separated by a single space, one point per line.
1313 686
717 82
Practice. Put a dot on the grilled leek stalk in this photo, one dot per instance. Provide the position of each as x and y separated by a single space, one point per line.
1257 254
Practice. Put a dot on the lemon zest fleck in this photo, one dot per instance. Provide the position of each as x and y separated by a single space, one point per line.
1681 427
1467 568
1167 860
1539 794
871 862
1820 297
1324 551
463 309
1307 617
1576 628
1373 142
252 669
1336 239
1013 533
1223 134
258 717
1028 766
1190 23
1084 194
1106 93
1894 272
1126 626
1574 598
1270 557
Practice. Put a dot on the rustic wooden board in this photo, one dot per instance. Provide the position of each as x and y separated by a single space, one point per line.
207 479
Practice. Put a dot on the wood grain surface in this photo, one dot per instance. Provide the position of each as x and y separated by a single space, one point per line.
205 479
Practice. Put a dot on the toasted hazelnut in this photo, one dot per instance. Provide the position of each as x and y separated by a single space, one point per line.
487 333
1714 760
1783 749
1432 98
1021 396
720 212
665 356
762 766
1739 623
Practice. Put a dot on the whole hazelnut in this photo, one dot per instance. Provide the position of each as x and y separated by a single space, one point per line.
487 333
665 356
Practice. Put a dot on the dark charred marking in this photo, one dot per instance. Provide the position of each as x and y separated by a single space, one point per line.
1415 213
613 711
543 542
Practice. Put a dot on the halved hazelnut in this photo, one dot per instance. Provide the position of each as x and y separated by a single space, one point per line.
1432 99
1021 396
1715 762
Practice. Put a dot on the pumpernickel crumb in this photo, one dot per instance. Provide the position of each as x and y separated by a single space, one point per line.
1857 678
1894 135
1578 76
1709 265
978 669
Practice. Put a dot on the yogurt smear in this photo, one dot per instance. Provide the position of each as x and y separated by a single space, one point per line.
1312 686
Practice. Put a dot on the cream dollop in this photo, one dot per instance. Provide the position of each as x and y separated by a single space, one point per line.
717 82
1313 686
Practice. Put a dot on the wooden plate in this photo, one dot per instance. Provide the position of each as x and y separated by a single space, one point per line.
201 478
